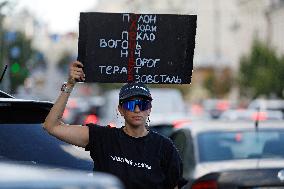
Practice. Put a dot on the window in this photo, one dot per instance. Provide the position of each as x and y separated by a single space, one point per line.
184 144
30 144
218 146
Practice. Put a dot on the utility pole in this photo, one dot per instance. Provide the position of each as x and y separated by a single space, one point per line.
269 31
217 31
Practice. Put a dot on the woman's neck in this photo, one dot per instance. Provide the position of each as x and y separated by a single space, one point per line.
135 132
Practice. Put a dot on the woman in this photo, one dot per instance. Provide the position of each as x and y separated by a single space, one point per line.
140 157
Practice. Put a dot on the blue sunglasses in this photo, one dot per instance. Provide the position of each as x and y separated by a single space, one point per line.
131 104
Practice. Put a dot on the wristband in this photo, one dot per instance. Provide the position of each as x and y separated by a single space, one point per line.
65 88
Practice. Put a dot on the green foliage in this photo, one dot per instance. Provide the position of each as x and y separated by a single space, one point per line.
16 51
261 72
219 83
18 64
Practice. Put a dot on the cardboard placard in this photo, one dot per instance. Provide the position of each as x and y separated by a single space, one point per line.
147 48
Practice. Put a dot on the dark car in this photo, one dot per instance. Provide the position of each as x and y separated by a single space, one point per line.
23 140
207 147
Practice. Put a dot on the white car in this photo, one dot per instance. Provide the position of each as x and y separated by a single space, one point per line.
267 104
213 146
16 176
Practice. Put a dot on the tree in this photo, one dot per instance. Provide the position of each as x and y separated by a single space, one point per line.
3 4
16 51
261 72
19 54
219 83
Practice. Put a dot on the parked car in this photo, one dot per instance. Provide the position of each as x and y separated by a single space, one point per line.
207 147
215 107
23 140
264 178
83 110
251 115
168 110
267 104
17 176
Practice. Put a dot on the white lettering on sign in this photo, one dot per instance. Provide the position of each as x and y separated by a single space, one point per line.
142 28
146 28
109 70
112 70
157 79
138 47
124 44
125 17
123 53
109 43
147 62
145 36
124 34
148 19
137 52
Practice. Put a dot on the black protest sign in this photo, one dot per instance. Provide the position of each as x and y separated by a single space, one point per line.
147 48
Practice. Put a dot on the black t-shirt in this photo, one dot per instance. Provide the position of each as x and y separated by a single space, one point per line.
149 162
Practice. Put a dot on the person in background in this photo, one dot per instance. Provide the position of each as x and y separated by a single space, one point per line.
141 158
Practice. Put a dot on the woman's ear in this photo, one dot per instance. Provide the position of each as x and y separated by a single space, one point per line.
120 110
149 111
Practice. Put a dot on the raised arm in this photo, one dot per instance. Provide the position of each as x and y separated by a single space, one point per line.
73 134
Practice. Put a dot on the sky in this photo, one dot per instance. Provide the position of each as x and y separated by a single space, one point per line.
60 15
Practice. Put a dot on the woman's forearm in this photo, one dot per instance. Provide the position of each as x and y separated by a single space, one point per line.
53 119
55 115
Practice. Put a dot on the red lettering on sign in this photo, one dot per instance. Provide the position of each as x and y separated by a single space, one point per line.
131 45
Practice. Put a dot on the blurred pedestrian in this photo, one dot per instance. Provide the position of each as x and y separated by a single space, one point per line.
138 156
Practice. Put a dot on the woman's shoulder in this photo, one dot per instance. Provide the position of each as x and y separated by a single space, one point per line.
157 136
102 128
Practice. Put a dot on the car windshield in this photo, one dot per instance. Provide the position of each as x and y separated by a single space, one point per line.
218 146
30 144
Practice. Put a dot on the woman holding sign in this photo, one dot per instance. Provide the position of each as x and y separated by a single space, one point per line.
140 157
